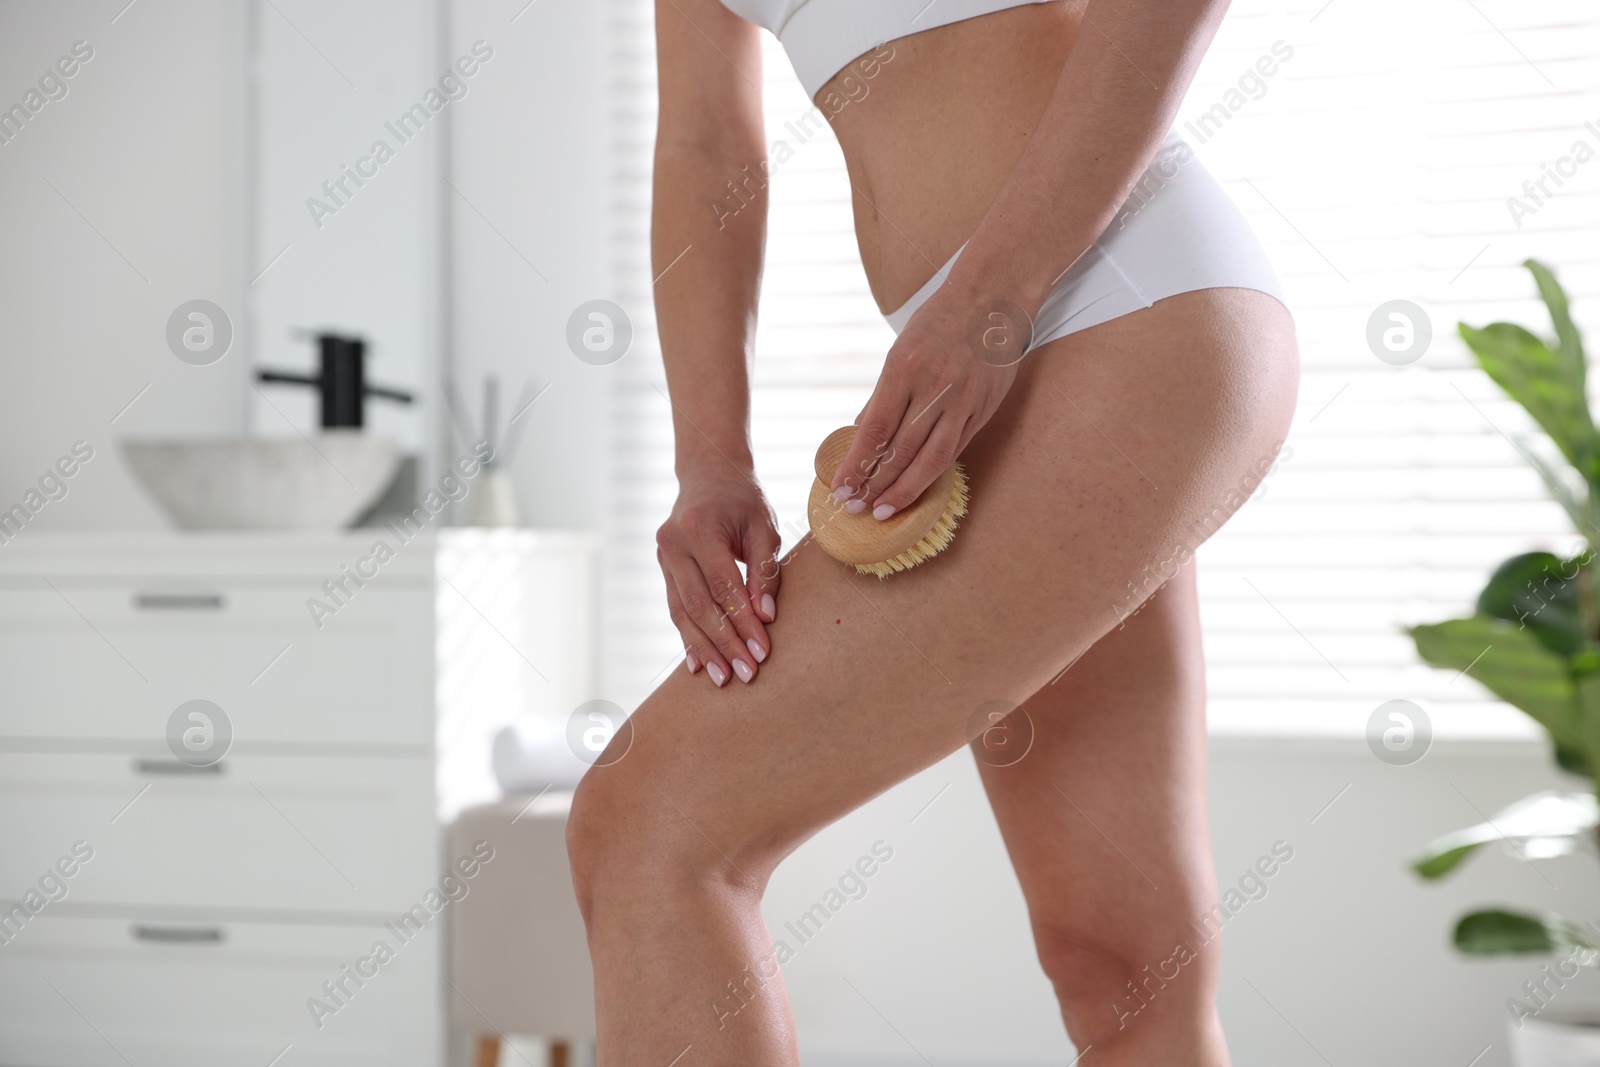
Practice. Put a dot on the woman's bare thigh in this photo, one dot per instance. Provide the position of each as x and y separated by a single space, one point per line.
1112 446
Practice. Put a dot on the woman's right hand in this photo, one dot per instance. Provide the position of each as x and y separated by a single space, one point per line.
720 517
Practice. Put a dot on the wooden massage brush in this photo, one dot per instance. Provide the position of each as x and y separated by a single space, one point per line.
904 539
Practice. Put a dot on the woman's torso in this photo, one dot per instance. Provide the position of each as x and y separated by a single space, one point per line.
931 125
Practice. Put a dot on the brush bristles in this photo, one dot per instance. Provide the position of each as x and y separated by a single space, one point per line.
934 541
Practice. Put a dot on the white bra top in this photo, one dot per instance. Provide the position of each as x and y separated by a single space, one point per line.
823 36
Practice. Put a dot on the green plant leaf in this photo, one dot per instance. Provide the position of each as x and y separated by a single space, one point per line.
1494 933
1538 590
1588 724
1437 862
1512 663
1542 382
1569 342
1497 932
1572 760
1540 826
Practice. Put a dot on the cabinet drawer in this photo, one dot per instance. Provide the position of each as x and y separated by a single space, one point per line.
112 659
92 992
327 834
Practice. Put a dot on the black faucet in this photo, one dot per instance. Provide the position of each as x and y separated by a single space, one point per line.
342 383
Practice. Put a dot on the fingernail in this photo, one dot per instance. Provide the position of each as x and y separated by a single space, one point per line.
742 669
718 675
756 651
883 511
843 493
855 506
769 607
694 664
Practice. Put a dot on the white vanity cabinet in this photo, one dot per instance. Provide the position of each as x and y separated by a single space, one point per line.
232 912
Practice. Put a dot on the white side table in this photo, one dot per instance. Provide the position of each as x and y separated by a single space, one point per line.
519 962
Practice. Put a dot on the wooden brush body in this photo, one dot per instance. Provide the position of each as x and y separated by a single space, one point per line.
903 540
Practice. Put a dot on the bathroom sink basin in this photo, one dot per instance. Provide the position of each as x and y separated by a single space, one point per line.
248 483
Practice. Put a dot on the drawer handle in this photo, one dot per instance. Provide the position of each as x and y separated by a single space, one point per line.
179 935
178 601
173 766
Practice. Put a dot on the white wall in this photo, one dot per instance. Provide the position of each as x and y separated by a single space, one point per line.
144 154
529 216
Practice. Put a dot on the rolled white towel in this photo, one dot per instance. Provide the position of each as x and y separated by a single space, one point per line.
532 754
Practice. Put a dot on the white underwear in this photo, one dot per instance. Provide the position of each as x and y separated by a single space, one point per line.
1179 231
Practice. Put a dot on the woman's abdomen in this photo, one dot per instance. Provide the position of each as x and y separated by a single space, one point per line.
932 124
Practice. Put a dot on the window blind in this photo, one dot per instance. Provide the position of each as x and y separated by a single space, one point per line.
1376 148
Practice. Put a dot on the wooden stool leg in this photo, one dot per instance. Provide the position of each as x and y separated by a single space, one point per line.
559 1053
488 1052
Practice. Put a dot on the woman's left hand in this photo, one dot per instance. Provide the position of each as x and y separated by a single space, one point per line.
944 377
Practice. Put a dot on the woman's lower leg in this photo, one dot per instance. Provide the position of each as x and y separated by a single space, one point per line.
684 960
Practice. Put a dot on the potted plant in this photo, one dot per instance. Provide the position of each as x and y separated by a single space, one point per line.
1534 641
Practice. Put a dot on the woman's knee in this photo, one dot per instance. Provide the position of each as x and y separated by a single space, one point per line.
635 833
1158 967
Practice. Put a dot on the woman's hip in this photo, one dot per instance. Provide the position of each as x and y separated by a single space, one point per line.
1178 231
